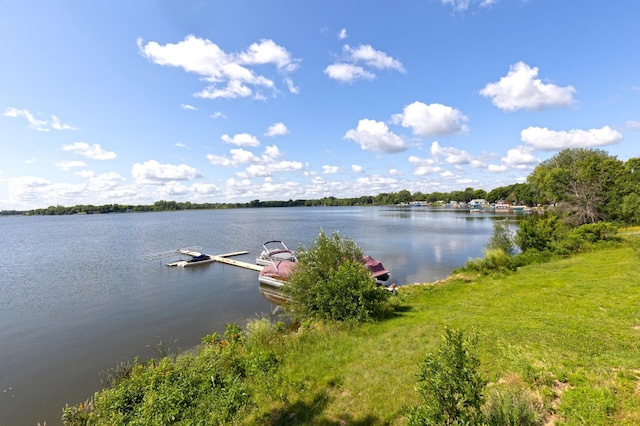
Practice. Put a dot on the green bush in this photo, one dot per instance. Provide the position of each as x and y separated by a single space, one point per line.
539 232
208 388
331 282
450 384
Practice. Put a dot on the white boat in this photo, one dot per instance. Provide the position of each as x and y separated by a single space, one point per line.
275 250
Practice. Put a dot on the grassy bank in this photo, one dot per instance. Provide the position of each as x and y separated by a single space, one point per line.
568 331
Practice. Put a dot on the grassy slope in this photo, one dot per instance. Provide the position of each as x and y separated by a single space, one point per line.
574 321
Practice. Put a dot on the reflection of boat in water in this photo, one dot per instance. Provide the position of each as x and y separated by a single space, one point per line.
274 276
275 250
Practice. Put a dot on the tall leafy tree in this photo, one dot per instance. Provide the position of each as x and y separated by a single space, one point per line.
581 181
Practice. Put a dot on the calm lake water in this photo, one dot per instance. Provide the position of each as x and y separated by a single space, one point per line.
77 295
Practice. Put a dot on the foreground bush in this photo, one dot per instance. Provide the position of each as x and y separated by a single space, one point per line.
331 282
450 384
209 388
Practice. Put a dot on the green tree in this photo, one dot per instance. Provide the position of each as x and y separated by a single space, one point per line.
581 181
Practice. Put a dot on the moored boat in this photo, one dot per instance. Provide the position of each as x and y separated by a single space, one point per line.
275 250
274 276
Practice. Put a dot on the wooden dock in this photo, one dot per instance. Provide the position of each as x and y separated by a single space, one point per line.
197 251
224 258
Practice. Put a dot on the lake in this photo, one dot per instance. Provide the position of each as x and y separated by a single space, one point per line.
77 294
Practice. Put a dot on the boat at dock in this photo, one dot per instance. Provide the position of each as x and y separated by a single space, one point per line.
275 275
275 250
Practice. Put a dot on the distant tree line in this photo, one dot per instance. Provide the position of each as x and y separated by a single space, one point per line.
584 185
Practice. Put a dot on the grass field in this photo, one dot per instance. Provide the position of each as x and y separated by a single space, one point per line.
568 330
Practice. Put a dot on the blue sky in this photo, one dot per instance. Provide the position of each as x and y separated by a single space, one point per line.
131 102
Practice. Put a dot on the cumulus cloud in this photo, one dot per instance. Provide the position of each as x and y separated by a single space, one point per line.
277 129
258 166
375 136
229 75
423 166
153 172
351 67
105 181
40 125
357 168
95 151
238 157
241 139
518 158
342 34
520 89
550 140
431 120
31 190
348 73
68 165
452 155
369 56
331 170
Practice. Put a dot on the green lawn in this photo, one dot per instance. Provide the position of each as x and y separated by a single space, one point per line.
570 329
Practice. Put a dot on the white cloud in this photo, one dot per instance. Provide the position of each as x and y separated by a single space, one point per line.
218 114
356 168
153 172
374 58
31 190
520 89
330 170
238 156
291 86
551 140
375 136
262 166
519 156
56 124
68 165
463 5
423 166
241 139
188 107
633 124
348 73
181 145
95 151
394 172
343 34
105 181
34 123
431 120
452 155
229 74
277 129
352 65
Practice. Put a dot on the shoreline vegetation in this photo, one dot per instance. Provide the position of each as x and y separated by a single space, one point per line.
557 343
